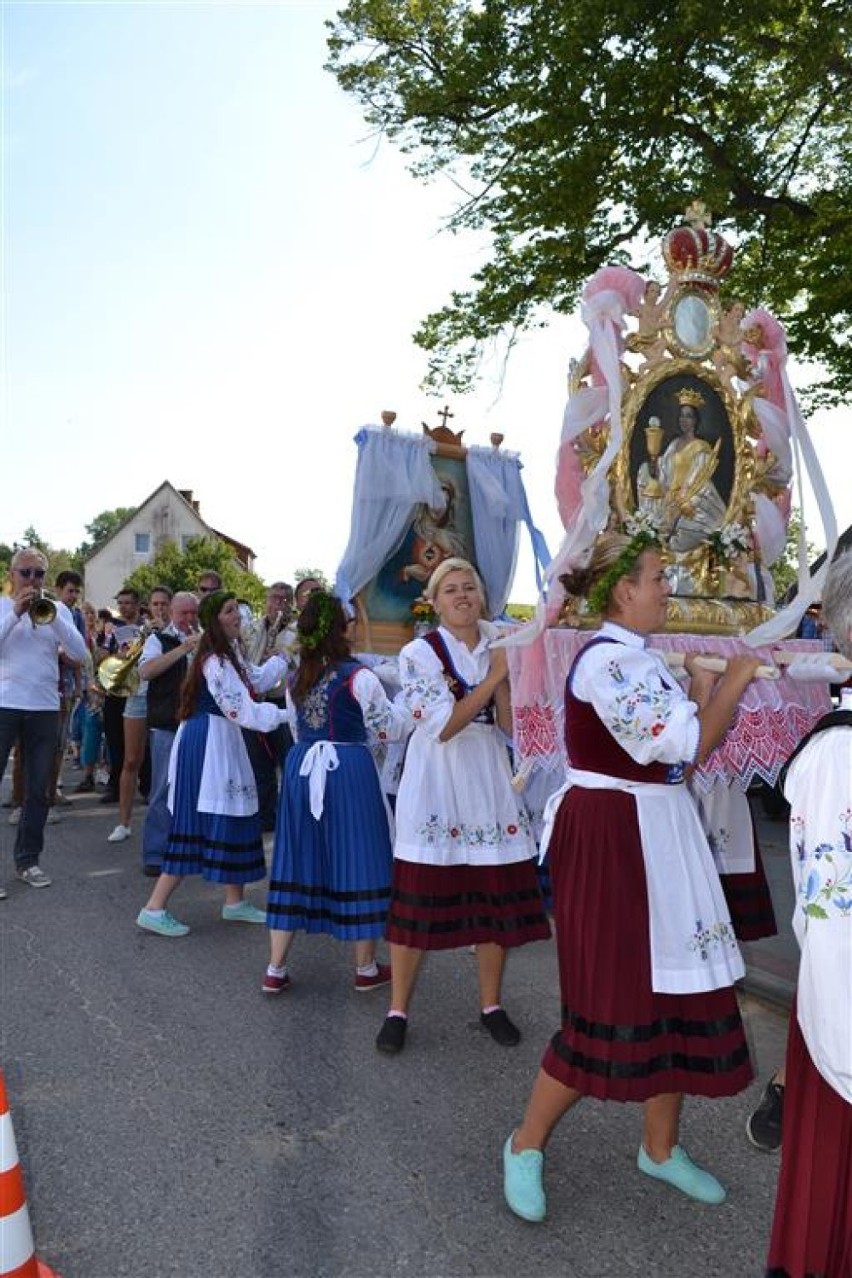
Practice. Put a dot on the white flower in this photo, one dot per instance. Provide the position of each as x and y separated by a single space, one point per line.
642 521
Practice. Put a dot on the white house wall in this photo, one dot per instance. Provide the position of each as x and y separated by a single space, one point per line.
165 516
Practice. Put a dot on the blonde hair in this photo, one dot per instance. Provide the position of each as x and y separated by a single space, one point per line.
614 556
32 551
454 564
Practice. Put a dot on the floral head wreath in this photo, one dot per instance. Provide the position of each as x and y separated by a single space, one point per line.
326 606
645 539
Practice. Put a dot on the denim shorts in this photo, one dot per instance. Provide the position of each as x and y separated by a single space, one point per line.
136 707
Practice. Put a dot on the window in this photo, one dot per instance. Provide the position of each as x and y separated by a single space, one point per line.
185 539
142 543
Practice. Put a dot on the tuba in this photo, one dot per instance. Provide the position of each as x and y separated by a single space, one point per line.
43 609
118 675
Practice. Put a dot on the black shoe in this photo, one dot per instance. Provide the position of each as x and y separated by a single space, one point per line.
86 786
391 1037
500 1027
109 796
763 1128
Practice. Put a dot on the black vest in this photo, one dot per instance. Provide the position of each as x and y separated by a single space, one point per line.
164 691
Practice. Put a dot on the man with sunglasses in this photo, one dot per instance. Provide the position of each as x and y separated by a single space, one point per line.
29 698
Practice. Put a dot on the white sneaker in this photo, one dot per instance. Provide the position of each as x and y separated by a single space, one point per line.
15 816
119 834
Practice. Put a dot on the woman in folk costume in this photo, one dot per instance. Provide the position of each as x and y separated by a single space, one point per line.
212 793
812 1228
463 871
331 868
647 954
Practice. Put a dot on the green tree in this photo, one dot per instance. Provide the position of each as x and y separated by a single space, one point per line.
581 129
314 574
59 559
181 569
785 570
102 527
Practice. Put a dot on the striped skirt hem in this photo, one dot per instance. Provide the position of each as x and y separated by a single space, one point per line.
694 1043
438 907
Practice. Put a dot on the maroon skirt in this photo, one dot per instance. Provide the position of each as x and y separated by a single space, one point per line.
619 1040
749 899
442 907
812 1227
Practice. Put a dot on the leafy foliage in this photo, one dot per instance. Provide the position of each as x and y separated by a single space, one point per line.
581 129
102 528
58 558
785 570
181 570
312 574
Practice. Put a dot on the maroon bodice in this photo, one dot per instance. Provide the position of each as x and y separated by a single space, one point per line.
592 747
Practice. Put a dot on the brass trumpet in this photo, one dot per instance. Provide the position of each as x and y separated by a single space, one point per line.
42 609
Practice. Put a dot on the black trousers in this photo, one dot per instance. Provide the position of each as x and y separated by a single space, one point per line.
114 733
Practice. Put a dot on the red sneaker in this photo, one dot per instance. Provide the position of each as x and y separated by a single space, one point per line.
275 984
382 977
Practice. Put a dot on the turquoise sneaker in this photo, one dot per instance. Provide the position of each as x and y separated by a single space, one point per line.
679 1170
163 924
522 1184
245 912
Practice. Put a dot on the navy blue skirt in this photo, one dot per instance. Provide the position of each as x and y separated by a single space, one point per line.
332 875
224 849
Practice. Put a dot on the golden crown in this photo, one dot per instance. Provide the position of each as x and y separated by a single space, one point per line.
691 397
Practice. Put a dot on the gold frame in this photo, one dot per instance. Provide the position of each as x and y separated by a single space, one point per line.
676 346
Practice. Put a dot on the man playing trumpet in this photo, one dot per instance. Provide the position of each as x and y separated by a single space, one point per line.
30 641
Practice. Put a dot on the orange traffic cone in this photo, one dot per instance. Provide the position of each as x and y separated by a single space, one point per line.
17 1249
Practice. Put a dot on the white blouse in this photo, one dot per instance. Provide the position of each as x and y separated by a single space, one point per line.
638 699
819 790
227 780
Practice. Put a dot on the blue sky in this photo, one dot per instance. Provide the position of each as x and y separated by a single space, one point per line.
211 274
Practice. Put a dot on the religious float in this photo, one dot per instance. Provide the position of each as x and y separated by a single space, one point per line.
681 420
419 499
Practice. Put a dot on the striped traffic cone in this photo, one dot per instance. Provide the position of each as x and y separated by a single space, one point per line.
17 1249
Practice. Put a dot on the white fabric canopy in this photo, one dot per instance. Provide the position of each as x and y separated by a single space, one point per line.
392 477
499 504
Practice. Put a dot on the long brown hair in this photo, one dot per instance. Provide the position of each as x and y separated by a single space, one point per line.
322 640
213 642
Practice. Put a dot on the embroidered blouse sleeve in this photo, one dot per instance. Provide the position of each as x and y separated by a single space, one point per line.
424 689
382 717
234 699
647 713
819 791
264 677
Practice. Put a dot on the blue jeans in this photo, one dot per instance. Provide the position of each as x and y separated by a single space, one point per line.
38 732
158 818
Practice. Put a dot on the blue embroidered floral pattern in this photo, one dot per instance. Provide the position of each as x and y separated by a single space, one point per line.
229 699
718 840
712 936
378 719
826 886
314 708
423 691
438 830
640 710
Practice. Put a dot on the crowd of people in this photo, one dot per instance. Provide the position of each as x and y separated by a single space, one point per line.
231 727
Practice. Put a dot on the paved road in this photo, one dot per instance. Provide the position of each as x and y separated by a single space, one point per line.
173 1122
